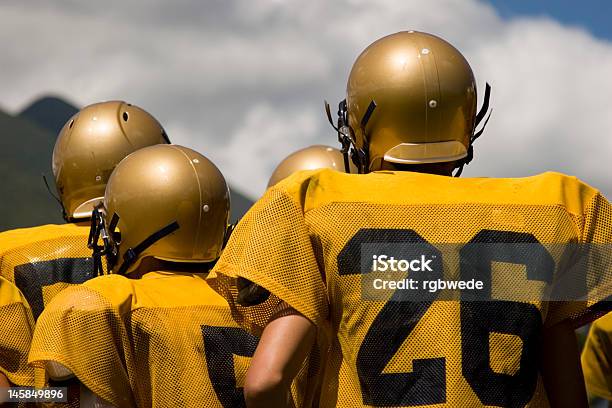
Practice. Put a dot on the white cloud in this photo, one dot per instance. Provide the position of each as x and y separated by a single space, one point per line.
551 102
244 81
265 137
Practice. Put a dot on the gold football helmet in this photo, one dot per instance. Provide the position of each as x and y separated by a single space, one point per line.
167 202
309 158
411 99
91 144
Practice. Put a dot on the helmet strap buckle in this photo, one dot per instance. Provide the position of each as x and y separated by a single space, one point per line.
349 149
97 231
344 135
64 213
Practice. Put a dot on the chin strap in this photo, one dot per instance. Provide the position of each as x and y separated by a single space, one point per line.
482 113
64 214
132 254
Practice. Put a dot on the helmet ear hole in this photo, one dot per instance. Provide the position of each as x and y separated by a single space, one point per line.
125 116
71 123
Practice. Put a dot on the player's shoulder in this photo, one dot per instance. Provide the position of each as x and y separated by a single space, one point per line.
294 183
9 293
156 289
103 293
316 188
97 294
544 189
67 228
175 289
552 188
20 237
303 186
559 181
55 230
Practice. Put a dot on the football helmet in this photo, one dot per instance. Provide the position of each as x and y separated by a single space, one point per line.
91 144
309 158
165 201
411 99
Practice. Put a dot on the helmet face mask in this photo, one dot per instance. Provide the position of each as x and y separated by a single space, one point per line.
165 202
104 231
91 144
411 99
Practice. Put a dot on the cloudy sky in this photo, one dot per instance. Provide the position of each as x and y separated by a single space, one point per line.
244 81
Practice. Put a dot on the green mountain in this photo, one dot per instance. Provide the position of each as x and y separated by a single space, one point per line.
26 146
25 154
49 113
240 205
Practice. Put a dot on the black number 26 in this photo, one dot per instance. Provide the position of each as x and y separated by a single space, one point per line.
426 384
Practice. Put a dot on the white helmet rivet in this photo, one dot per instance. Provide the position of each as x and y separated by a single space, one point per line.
425 51
205 208
433 103
195 161
411 31
98 178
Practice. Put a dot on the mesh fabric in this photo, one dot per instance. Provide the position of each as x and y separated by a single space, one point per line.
40 262
302 242
163 340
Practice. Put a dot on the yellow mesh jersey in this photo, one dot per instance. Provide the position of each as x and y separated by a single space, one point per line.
165 340
17 327
40 261
303 242
46 259
597 358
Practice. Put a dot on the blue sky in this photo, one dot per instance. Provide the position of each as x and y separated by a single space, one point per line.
593 15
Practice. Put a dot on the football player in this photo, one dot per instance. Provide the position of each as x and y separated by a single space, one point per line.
314 242
309 158
597 358
43 260
153 333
